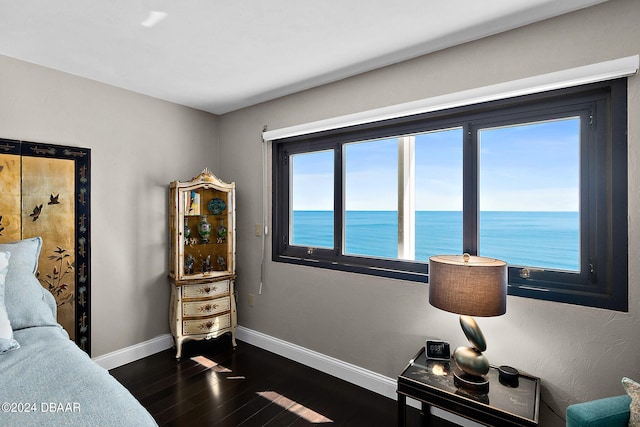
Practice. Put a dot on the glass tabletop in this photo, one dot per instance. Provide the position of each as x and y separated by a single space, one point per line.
519 398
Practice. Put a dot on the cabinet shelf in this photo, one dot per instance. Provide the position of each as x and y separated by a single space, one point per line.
205 244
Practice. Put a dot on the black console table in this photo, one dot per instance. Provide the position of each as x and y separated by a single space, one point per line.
431 383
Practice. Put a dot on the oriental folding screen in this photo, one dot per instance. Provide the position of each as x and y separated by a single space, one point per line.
45 192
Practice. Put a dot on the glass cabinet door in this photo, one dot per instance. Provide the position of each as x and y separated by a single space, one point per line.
202 229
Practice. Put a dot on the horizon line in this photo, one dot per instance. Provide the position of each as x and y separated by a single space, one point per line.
422 210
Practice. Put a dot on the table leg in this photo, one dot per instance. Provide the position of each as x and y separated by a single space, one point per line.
425 415
402 410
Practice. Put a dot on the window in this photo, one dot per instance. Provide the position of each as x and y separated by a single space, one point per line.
539 181
312 201
529 178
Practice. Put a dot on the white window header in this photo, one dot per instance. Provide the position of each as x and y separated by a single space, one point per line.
557 80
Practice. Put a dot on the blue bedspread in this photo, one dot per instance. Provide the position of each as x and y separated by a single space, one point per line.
49 381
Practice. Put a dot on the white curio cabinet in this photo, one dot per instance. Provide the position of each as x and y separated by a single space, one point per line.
202 261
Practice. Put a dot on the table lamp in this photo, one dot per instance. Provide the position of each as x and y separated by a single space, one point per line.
470 286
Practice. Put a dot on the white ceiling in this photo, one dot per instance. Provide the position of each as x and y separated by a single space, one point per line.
221 55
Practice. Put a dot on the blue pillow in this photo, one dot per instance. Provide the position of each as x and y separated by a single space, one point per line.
24 296
7 343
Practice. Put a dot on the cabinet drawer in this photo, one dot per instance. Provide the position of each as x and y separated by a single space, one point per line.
205 290
205 326
205 308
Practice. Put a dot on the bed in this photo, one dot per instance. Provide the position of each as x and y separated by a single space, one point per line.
46 379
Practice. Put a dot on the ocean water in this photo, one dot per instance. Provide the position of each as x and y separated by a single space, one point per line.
536 239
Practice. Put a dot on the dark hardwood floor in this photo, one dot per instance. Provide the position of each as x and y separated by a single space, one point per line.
213 385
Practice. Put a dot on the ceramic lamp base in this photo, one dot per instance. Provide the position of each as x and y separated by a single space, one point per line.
472 382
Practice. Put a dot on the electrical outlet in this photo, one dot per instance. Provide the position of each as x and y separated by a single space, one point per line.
252 300
258 229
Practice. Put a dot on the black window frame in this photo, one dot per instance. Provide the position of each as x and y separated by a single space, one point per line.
602 107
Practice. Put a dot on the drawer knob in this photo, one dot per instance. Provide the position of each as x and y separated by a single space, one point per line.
208 325
208 289
208 307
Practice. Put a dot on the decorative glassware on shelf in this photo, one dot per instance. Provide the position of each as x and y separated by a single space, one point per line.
206 264
204 229
188 264
216 206
187 230
222 264
221 231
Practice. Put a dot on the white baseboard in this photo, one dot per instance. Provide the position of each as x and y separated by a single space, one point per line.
343 370
364 378
134 352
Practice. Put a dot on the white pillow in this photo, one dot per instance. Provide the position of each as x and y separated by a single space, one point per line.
633 390
7 343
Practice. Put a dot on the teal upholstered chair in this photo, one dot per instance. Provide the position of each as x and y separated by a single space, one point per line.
606 412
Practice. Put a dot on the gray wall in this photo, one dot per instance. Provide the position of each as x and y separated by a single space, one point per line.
580 353
139 144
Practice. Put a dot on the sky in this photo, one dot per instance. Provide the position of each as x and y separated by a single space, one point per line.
532 167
